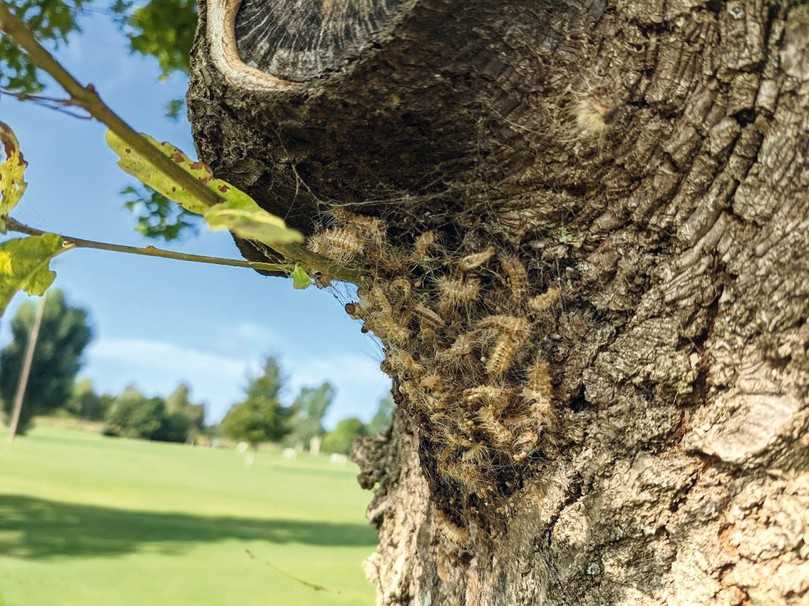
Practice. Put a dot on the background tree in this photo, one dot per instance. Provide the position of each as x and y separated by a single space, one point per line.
260 417
174 427
383 417
52 21
133 415
63 337
85 403
308 409
342 437
174 419
163 29
179 403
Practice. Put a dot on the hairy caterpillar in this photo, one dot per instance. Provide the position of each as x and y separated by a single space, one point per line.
427 334
463 345
402 288
457 292
384 326
371 229
430 317
458 534
490 395
446 427
432 404
401 362
524 444
591 117
538 378
424 243
341 245
432 383
546 300
516 276
467 475
503 353
538 394
476 453
505 324
412 390
475 260
494 427
378 300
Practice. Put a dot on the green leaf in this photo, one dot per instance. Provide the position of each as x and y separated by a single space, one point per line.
300 279
173 109
24 265
238 212
241 215
12 171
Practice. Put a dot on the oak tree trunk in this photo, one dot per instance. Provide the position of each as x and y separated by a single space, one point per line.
584 226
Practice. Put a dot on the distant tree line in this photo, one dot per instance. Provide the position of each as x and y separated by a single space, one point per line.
261 416
173 419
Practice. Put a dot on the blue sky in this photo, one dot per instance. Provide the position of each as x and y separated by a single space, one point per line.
158 322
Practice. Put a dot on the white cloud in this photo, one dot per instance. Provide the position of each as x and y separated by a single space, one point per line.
349 369
168 357
246 337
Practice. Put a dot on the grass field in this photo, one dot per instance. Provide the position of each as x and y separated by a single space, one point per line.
92 520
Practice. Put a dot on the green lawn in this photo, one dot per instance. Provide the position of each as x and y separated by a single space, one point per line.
92 520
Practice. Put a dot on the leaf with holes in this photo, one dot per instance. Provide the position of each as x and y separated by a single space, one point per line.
139 167
12 171
24 265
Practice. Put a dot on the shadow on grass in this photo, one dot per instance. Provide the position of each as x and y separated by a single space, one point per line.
37 528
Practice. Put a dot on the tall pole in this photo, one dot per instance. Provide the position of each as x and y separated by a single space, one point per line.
22 383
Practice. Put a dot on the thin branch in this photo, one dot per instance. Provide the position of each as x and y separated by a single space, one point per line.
58 105
318 263
87 98
147 251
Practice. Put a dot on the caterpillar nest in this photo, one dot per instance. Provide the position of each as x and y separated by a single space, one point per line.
458 330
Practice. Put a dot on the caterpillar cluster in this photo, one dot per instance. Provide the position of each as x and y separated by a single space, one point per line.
459 334
351 236
591 111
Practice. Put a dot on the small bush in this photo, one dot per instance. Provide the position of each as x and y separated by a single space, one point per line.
133 415
342 437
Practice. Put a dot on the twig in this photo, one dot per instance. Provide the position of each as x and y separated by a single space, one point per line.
318 263
308 584
147 251
46 102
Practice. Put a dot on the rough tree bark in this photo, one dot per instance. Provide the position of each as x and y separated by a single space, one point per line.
585 230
